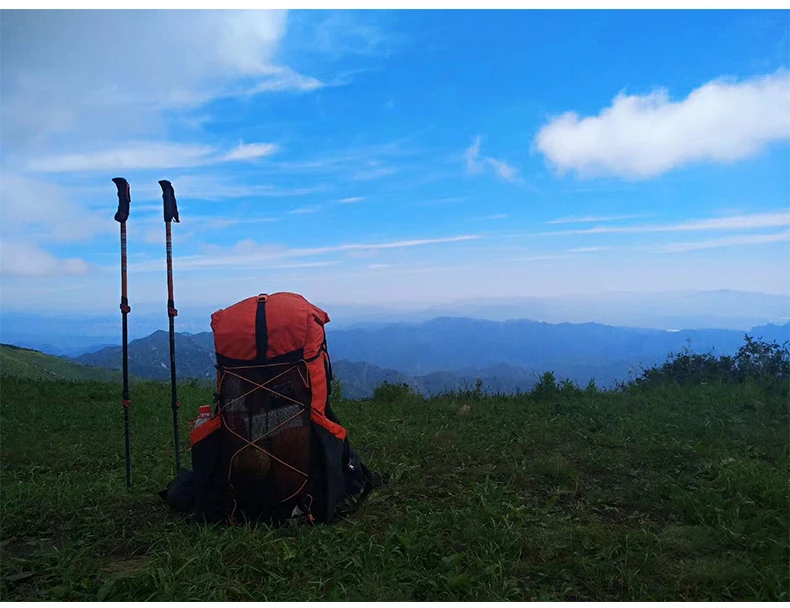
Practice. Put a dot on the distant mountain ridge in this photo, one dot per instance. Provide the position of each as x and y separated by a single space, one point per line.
54 332
449 353
577 351
150 357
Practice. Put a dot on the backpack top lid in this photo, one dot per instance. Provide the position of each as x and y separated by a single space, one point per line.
265 327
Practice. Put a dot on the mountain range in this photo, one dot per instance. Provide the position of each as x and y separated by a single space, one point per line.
72 333
451 353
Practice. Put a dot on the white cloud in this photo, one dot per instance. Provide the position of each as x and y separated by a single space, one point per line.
475 163
25 259
147 155
305 210
472 154
112 74
588 249
249 253
642 136
48 210
251 151
369 174
592 219
217 187
133 156
741 222
505 171
748 239
351 199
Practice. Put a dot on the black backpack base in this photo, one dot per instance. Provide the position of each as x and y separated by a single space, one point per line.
191 493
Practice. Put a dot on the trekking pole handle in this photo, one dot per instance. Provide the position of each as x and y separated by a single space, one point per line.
169 199
124 199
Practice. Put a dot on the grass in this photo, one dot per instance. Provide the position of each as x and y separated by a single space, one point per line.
649 493
26 363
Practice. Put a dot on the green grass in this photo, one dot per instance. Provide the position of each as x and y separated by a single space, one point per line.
653 493
26 363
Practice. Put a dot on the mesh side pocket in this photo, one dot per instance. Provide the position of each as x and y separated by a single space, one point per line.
209 463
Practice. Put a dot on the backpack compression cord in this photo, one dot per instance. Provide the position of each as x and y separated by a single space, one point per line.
124 200
171 215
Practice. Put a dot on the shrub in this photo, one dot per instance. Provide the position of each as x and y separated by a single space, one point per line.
768 363
546 386
387 392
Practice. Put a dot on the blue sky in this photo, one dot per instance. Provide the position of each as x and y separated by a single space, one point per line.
394 156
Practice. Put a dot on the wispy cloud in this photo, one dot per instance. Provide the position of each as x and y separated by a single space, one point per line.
643 136
498 216
248 252
147 155
747 239
472 155
476 163
220 223
742 222
305 210
590 219
217 187
560 255
448 200
348 160
351 199
250 151
588 249
376 173
502 169
283 79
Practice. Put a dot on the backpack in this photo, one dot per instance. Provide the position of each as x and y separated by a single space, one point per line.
272 449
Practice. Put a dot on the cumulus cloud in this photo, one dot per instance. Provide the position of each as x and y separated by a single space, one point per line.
476 163
113 74
25 259
643 136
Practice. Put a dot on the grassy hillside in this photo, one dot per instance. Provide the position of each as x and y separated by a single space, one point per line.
659 491
26 363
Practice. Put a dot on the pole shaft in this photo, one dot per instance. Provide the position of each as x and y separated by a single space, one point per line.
125 331
171 315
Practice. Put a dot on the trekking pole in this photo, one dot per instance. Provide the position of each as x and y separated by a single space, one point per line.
171 215
124 199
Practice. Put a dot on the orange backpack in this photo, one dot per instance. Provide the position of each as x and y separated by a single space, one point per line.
273 449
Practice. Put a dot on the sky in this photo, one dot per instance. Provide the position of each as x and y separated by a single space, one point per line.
385 157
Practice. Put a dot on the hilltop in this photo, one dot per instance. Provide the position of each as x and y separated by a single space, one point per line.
672 488
27 363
